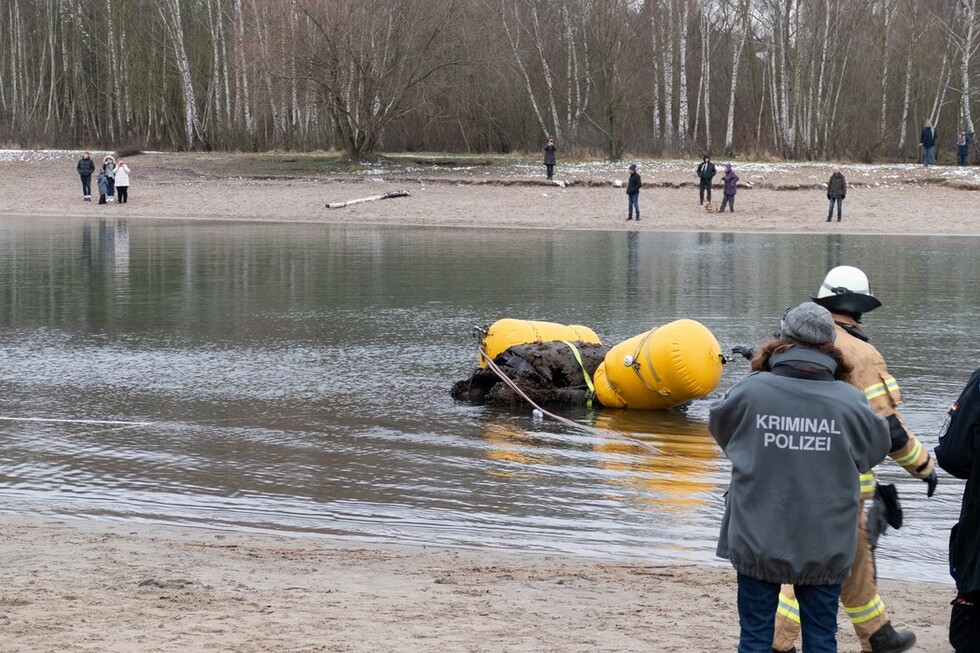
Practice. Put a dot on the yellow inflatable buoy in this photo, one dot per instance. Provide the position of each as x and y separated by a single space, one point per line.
664 367
508 332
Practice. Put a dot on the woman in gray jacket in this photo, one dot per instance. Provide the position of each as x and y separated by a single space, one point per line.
797 437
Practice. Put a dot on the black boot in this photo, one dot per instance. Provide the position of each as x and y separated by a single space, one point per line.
888 640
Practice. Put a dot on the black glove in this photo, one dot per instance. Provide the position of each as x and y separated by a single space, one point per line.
747 352
932 480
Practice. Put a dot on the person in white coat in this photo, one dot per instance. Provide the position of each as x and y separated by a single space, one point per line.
122 182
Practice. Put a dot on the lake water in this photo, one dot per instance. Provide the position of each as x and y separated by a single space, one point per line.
295 378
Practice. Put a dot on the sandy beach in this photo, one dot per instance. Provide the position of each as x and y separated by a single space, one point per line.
72 585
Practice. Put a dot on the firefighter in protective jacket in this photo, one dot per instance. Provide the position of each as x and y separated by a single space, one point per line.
846 293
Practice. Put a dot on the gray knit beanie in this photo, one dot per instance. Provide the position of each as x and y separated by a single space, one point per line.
808 324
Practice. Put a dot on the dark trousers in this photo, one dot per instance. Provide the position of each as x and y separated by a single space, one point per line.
86 185
964 625
757 602
704 187
963 159
550 167
730 201
830 209
634 203
122 192
102 199
110 186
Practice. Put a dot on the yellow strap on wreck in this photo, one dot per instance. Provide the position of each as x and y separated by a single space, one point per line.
664 367
508 332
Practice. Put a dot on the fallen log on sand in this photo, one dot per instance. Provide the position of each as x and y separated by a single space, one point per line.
385 196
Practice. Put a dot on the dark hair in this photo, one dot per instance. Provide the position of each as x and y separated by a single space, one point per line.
760 359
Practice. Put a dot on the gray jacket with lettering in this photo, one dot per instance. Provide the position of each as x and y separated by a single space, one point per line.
797 440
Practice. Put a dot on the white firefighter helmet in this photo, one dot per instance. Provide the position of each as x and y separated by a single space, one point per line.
846 289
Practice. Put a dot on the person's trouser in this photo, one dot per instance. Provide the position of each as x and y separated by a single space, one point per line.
110 186
964 624
757 602
730 201
963 159
550 167
634 203
704 187
929 155
859 596
122 193
830 210
86 185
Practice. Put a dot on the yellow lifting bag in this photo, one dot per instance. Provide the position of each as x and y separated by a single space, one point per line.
664 367
508 332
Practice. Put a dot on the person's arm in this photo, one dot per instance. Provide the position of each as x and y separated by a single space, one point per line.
958 441
874 441
843 187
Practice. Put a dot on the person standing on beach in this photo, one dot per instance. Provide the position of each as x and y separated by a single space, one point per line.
549 158
846 293
927 141
122 182
798 439
963 147
836 192
633 193
957 453
103 184
85 167
109 169
731 182
706 173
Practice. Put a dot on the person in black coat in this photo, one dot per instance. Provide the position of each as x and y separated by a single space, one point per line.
633 193
85 167
549 157
927 141
957 453
706 172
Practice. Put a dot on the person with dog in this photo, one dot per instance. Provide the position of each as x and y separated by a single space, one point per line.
836 192
633 193
731 182
706 173
959 442
798 438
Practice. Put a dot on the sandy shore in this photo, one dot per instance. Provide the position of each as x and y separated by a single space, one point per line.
93 586
89 586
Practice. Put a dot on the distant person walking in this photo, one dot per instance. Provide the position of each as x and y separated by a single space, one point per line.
731 182
85 167
633 193
836 192
122 182
963 147
109 168
549 158
706 173
927 141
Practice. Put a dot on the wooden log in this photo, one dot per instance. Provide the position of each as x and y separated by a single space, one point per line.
385 196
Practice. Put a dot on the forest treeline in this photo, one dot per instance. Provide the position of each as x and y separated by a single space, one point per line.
805 79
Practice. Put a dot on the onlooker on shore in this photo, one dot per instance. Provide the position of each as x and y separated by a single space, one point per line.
109 168
549 157
836 192
957 454
798 438
122 182
633 193
85 167
927 141
963 147
103 183
731 182
706 173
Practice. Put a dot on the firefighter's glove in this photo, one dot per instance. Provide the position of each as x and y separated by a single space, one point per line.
746 352
932 481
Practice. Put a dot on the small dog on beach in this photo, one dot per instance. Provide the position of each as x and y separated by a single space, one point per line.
710 207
